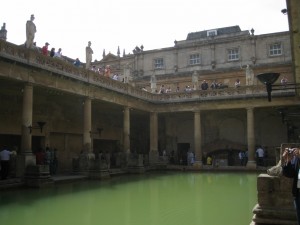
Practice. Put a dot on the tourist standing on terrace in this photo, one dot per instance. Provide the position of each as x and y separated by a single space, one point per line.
45 49
58 54
52 52
77 62
30 32
284 81
89 52
204 85
237 83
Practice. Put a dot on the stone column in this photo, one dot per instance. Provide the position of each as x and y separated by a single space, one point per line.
87 125
213 56
26 158
197 139
153 154
27 118
250 138
175 61
126 130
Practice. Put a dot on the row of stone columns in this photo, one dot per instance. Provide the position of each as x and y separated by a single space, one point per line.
250 138
87 127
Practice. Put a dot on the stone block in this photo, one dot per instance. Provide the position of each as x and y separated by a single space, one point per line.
275 201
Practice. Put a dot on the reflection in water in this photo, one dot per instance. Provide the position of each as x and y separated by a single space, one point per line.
156 199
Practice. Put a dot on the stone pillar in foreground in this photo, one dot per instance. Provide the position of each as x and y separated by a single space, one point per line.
26 157
27 118
251 164
153 154
34 175
126 130
197 140
87 125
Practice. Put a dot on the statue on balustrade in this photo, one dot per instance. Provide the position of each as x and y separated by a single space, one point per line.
153 82
3 32
30 32
89 54
195 80
249 75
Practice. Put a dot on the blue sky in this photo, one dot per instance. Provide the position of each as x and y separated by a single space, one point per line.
153 23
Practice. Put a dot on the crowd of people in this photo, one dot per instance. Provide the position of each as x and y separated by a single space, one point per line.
189 88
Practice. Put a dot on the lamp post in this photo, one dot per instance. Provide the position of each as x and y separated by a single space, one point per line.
268 79
40 126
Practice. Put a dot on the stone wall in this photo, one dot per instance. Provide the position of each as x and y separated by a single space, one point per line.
275 201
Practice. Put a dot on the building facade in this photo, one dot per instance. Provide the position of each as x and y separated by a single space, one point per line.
221 54
85 110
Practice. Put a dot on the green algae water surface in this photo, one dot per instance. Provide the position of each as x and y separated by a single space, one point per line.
151 199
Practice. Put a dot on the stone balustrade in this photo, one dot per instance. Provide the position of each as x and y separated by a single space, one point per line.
34 58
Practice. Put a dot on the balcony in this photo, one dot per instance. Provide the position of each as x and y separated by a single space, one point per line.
57 67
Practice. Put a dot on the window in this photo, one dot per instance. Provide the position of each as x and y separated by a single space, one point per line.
233 54
211 33
275 49
194 59
158 63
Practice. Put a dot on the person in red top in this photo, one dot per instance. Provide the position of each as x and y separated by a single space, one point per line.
40 157
45 49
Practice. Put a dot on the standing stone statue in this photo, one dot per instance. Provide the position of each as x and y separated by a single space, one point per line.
89 55
249 76
153 83
3 32
126 78
195 80
30 32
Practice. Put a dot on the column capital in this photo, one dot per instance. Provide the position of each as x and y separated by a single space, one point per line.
250 108
197 111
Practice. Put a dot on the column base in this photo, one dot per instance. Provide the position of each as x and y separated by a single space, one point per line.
153 158
38 176
135 163
23 161
198 165
274 201
251 165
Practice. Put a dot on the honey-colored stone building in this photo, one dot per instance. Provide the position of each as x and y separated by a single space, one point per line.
85 111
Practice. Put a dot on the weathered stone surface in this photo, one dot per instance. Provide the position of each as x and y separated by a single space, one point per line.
275 201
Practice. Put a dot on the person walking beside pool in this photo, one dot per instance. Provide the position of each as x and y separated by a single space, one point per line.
5 157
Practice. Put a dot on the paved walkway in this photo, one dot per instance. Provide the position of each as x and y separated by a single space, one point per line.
62 178
59 178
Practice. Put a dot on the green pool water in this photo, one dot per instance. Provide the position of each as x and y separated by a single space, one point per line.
151 199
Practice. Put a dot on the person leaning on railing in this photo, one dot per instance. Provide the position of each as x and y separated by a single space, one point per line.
290 168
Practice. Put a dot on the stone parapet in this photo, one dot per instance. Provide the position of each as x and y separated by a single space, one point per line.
275 201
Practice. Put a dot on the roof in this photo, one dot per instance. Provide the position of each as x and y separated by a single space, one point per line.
220 31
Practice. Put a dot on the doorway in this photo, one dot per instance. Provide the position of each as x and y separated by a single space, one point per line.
182 149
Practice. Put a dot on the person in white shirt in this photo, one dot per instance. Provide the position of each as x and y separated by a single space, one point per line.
58 54
115 77
260 156
5 157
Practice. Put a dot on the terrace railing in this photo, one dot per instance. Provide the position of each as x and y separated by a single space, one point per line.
33 58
